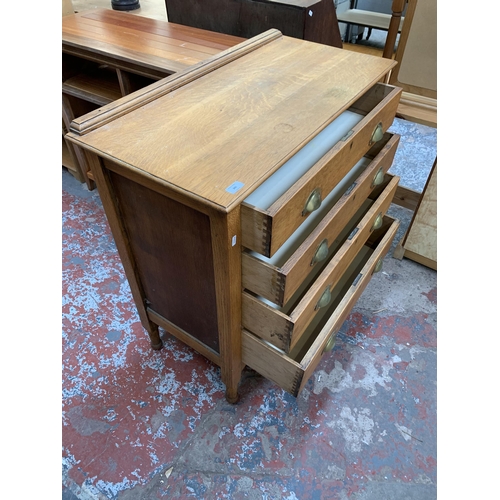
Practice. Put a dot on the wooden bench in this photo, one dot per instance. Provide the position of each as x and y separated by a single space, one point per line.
108 54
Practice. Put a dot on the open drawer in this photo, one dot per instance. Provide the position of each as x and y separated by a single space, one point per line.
282 202
278 277
291 371
284 326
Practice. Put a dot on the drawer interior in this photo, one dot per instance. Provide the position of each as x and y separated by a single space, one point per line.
292 170
281 256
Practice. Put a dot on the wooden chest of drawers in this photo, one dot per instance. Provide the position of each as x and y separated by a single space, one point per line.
247 198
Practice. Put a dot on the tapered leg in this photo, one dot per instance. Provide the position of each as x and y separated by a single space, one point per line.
115 221
226 247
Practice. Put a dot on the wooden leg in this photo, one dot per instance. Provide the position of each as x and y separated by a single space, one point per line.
154 336
115 221
226 237
232 395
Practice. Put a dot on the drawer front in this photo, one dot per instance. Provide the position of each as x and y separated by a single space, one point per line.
264 231
292 371
284 328
278 283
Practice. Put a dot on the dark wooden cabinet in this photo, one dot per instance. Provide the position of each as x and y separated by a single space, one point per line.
313 20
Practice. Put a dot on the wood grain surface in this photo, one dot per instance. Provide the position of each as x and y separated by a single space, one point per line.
240 123
158 44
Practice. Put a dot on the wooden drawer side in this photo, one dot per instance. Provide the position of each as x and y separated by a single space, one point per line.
271 363
313 355
332 274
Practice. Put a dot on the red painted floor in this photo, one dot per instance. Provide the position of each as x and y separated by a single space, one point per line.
144 424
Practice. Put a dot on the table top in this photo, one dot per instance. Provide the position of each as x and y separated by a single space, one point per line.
159 45
219 135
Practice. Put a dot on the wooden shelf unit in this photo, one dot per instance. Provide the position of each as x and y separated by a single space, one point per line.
109 54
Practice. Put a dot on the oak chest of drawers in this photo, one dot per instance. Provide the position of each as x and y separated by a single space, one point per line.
247 198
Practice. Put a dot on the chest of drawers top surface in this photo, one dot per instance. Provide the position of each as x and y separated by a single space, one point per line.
219 129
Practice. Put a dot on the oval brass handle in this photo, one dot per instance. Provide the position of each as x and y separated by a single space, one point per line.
321 252
379 177
330 344
324 299
378 266
313 202
378 222
377 134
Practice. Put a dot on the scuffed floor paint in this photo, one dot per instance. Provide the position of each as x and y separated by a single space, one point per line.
363 427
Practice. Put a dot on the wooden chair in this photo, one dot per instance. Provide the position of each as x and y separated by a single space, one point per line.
392 23
395 26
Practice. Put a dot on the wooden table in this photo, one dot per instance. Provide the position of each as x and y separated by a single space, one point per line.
109 54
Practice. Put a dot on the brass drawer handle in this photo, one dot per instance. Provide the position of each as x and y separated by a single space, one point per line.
377 134
378 266
321 252
378 222
313 202
331 343
324 300
379 178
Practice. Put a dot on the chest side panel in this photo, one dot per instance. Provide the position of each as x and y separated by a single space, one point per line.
172 249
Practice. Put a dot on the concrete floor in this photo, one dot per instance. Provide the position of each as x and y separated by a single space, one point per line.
140 424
